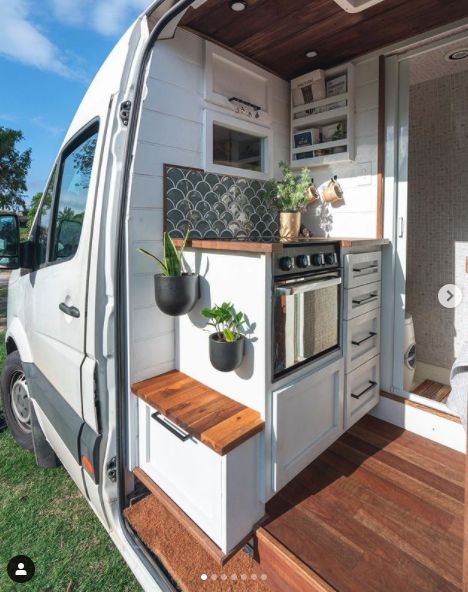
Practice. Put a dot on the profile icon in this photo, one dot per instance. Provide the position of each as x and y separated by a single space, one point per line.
21 569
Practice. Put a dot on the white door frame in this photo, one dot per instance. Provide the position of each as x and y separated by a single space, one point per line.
397 83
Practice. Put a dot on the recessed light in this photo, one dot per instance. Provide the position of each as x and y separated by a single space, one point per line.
311 54
238 5
458 54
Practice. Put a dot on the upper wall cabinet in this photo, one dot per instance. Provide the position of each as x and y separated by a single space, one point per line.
237 85
322 117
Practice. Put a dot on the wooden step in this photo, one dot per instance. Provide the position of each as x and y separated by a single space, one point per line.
286 573
219 422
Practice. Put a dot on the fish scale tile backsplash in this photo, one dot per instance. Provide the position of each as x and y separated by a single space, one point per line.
216 206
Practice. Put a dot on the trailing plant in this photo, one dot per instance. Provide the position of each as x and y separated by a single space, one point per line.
290 194
173 263
226 320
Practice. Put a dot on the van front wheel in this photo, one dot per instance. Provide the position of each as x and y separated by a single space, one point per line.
16 402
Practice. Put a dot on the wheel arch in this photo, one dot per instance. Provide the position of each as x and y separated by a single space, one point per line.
17 340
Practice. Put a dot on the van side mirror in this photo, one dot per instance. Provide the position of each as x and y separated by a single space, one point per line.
9 241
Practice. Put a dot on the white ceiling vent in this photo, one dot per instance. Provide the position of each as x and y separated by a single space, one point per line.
356 5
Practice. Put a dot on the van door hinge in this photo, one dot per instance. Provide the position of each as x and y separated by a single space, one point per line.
125 112
111 469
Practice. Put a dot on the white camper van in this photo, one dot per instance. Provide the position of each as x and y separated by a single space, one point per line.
328 453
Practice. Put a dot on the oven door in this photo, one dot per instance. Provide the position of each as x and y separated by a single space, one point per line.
306 320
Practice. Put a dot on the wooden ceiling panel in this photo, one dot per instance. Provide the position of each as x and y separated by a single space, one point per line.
277 33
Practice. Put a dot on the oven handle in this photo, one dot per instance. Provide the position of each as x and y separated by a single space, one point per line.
306 287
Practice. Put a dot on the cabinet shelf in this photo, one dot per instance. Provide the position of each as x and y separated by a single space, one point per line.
340 114
324 160
321 103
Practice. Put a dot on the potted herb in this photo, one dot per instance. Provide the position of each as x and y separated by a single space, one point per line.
176 291
228 342
290 196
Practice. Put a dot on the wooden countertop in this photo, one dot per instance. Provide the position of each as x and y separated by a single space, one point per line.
214 419
274 246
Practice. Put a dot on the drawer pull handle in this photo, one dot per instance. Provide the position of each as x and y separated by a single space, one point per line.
371 334
366 268
366 299
171 427
372 383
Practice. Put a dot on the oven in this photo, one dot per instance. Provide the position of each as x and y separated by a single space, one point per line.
306 306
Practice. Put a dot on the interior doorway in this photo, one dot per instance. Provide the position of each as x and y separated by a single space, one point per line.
430 218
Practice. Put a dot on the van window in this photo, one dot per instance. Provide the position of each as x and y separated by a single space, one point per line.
42 228
72 195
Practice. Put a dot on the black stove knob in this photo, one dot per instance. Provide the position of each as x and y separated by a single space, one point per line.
318 259
286 263
330 258
302 261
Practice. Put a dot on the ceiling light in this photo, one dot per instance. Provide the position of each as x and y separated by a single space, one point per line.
311 54
458 54
238 5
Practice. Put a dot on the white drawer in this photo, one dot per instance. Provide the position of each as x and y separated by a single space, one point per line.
307 419
188 471
362 391
219 493
362 339
362 299
362 268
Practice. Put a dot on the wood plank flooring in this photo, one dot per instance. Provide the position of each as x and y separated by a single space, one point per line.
380 511
433 390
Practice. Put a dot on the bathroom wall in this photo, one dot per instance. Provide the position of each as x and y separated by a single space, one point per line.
438 214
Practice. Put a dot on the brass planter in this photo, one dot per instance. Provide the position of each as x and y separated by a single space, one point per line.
290 224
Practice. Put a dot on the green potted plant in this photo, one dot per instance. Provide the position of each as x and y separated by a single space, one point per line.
290 196
228 342
176 291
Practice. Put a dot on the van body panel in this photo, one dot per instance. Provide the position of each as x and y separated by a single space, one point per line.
16 332
67 422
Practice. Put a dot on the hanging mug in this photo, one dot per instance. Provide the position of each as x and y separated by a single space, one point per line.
313 195
333 191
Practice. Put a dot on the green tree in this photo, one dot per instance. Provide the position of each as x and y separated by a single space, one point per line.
35 201
14 166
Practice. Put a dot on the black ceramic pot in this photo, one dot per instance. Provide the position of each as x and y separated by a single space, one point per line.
177 295
226 356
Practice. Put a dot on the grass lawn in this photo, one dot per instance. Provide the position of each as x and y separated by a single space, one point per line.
44 516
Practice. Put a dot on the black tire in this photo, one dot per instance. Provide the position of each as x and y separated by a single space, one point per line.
15 401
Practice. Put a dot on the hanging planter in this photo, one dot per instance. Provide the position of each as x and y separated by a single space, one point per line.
176 292
176 295
227 344
226 356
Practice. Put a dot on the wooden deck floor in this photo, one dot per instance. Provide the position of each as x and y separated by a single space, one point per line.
380 511
433 390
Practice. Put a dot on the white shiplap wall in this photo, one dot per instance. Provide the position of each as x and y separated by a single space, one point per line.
358 216
171 131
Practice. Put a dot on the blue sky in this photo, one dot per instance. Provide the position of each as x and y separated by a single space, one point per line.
49 53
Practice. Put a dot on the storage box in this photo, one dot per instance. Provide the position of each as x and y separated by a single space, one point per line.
337 86
309 88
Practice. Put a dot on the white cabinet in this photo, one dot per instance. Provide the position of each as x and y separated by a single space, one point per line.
361 333
307 419
362 339
362 391
219 493
362 268
362 299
